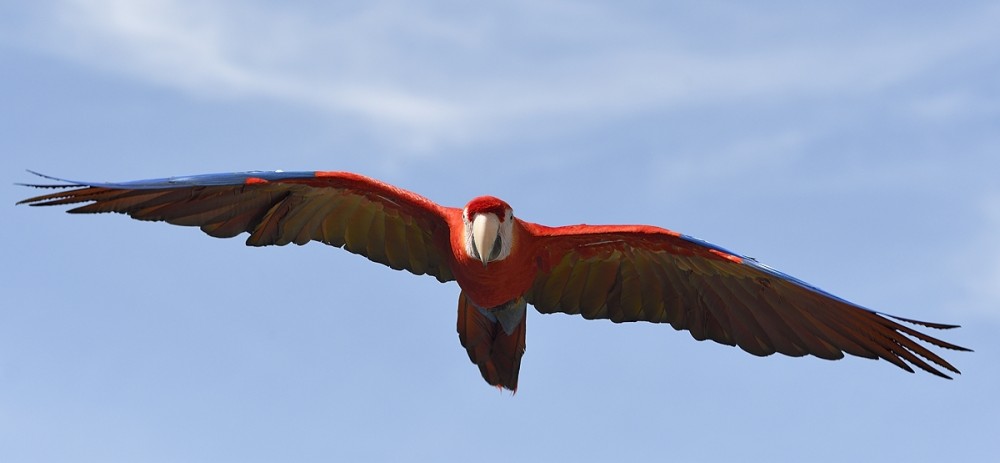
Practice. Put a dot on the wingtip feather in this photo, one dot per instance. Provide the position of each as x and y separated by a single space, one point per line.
939 326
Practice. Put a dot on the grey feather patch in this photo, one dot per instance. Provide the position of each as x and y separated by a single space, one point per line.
509 315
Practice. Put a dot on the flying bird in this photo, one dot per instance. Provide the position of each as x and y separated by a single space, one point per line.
624 273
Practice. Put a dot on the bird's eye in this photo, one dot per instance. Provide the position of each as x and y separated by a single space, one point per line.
497 247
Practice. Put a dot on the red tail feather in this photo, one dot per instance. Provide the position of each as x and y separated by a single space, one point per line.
497 353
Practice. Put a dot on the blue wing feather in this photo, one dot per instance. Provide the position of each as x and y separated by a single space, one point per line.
240 178
753 263
221 179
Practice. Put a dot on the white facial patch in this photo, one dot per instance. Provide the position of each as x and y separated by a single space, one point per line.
487 238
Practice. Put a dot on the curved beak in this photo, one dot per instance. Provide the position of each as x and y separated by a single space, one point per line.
484 233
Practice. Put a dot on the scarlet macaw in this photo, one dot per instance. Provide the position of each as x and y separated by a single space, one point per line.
623 273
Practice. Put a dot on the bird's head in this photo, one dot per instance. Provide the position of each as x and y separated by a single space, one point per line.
489 229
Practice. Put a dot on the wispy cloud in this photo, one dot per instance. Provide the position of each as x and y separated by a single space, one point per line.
229 51
448 73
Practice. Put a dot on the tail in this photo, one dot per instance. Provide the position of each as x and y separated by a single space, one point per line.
494 339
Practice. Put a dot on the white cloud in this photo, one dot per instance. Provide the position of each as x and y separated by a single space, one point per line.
204 49
454 73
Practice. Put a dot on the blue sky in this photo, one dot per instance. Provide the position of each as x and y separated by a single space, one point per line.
852 145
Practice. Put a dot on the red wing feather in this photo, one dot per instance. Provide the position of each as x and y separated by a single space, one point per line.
387 224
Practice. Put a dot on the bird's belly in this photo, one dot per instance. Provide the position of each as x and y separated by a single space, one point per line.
497 284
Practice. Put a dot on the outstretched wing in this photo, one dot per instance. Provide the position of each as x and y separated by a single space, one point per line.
640 273
386 224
